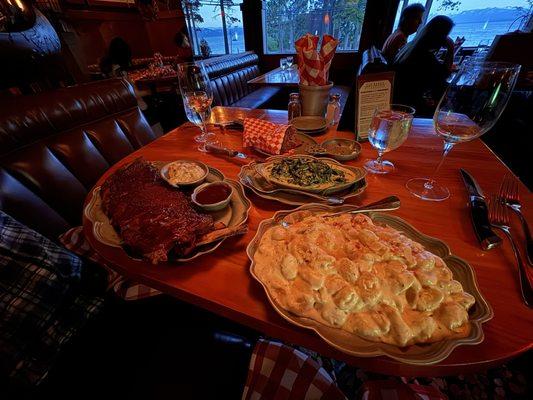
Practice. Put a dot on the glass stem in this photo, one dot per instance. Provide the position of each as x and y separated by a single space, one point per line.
203 128
379 160
447 147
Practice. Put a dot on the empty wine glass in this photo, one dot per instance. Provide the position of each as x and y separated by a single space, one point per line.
289 61
195 88
283 63
470 106
388 130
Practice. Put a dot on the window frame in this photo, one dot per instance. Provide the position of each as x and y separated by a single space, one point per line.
193 36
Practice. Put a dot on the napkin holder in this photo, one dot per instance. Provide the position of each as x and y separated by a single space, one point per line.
314 99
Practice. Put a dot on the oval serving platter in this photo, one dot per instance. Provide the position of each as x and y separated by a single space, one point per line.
353 175
233 215
249 178
423 354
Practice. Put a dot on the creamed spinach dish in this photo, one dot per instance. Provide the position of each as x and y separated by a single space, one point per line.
306 172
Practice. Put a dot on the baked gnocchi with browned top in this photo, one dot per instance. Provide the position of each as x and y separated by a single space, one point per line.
347 272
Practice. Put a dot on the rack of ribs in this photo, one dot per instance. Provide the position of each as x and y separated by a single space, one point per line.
152 218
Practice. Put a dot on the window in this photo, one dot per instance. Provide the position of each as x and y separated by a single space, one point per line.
215 26
479 21
284 21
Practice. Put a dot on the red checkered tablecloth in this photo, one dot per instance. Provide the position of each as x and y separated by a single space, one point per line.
280 372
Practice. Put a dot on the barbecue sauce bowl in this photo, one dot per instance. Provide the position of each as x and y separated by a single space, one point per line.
212 196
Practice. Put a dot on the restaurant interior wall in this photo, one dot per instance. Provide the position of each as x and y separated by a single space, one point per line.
96 26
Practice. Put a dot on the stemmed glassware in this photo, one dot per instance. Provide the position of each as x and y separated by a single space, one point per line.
471 105
290 61
388 130
195 88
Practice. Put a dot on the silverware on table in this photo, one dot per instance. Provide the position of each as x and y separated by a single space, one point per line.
478 211
510 196
211 148
386 204
499 218
389 203
333 200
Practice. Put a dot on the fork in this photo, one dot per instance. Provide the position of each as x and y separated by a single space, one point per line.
499 218
510 195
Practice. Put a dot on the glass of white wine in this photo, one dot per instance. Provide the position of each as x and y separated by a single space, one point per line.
195 88
470 106
388 130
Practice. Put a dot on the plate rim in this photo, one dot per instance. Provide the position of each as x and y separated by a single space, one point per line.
310 117
379 349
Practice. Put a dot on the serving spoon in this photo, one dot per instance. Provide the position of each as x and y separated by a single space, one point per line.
386 204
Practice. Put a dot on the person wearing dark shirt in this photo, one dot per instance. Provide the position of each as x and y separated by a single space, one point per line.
117 59
420 78
410 20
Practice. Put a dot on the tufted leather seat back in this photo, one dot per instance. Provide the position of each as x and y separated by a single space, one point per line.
229 76
54 146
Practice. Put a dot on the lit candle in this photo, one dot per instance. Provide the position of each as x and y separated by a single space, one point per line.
326 22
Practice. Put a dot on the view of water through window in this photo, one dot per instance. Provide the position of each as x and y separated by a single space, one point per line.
210 21
478 21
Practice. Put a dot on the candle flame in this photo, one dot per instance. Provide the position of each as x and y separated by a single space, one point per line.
326 19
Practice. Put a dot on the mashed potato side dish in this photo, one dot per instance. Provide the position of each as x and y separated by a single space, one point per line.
183 172
344 271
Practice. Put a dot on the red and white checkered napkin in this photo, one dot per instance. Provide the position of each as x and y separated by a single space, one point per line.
314 65
264 135
280 372
75 241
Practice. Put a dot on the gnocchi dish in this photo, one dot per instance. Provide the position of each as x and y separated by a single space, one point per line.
369 280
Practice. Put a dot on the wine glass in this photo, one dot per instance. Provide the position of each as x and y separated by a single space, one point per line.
283 63
195 88
289 61
388 130
470 106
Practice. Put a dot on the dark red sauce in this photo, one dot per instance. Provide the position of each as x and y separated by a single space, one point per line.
212 194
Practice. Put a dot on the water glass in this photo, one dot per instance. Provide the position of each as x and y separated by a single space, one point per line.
388 130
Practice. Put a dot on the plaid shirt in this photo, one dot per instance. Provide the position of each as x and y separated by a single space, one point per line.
42 304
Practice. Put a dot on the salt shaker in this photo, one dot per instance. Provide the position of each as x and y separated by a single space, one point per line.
333 111
294 108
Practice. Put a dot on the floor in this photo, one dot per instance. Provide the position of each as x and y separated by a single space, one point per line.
153 349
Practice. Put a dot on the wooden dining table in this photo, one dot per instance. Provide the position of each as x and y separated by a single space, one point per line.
221 282
278 77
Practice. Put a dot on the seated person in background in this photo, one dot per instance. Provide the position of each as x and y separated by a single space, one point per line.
420 78
117 60
410 20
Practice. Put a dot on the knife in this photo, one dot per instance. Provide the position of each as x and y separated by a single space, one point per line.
479 212
225 151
